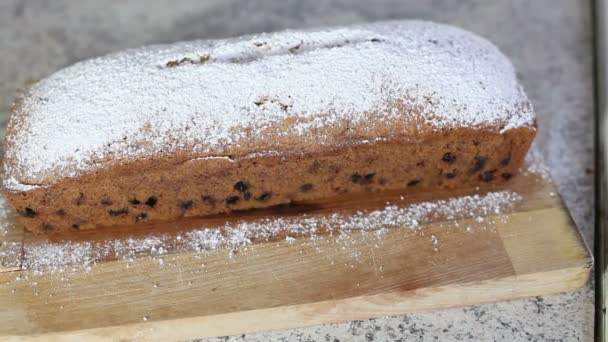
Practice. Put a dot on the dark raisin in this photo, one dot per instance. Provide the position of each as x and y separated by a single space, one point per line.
382 181
451 174
487 176
80 199
306 187
232 199
247 195
449 157
375 40
28 212
75 227
134 201
118 212
186 204
151 201
265 196
241 186
479 163
362 179
105 201
141 216
506 175
209 199
413 182
420 163
506 161
60 212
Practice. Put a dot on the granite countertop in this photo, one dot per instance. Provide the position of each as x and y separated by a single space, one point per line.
549 41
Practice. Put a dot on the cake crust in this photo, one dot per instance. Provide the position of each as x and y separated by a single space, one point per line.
208 127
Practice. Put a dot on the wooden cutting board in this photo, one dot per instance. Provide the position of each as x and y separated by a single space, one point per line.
284 283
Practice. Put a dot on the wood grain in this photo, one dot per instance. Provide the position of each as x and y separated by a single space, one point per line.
283 284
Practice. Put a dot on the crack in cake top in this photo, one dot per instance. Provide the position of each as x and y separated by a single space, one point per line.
289 91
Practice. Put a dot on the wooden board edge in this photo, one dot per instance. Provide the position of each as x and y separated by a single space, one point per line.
561 240
8 269
357 308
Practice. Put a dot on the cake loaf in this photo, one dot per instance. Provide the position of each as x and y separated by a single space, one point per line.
213 126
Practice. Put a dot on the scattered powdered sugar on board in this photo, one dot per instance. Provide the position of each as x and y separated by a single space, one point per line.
535 163
261 92
6 223
10 249
10 254
345 229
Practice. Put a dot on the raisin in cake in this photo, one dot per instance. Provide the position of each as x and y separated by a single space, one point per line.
212 126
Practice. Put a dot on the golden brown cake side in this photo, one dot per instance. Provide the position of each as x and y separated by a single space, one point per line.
165 191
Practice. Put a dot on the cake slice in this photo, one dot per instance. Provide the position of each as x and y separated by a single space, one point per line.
212 126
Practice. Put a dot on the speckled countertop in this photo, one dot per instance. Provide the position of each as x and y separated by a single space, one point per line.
549 41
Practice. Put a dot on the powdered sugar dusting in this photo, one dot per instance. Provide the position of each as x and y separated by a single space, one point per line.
535 163
344 229
264 92
6 221
10 246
